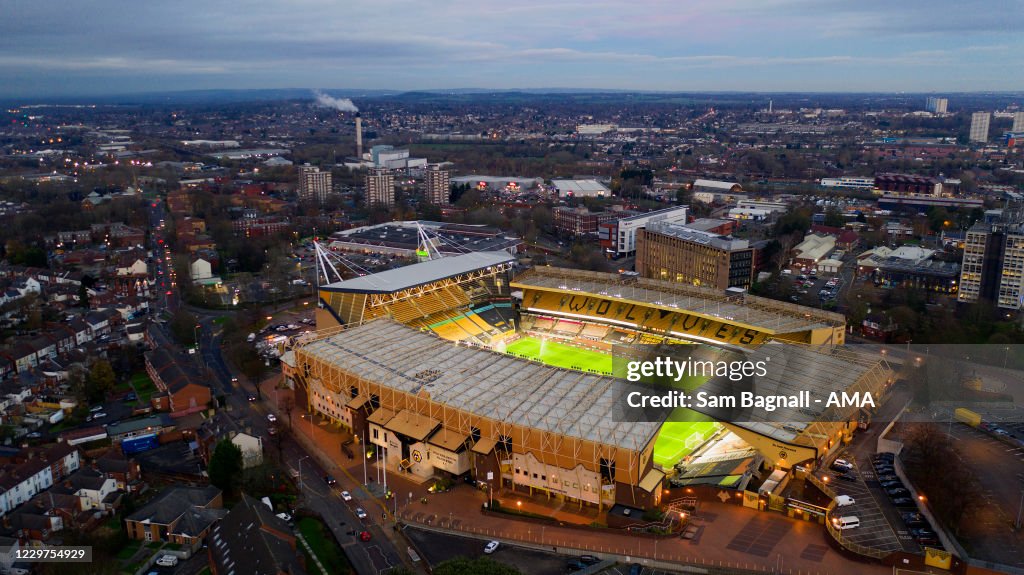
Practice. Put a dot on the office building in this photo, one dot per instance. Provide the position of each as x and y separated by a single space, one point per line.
1018 122
380 187
438 185
674 252
937 105
979 126
993 264
619 237
580 221
314 185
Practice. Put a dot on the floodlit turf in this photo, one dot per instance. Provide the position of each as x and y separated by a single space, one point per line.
670 446
561 355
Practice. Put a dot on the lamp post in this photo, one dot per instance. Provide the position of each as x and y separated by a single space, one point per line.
300 471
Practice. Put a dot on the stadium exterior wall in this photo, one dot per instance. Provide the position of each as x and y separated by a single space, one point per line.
566 468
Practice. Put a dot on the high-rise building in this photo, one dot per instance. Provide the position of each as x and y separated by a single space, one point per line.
979 126
937 105
1018 123
672 251
438 185
380 187
314 185
993 264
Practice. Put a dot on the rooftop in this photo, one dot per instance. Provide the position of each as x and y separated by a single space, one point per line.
486 383
585 187
407 277
689 234
760 313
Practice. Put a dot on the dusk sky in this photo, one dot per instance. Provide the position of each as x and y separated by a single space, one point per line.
50 47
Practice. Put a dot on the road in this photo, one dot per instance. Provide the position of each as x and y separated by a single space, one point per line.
368 558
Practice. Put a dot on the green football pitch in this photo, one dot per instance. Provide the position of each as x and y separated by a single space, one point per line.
679 437
561 355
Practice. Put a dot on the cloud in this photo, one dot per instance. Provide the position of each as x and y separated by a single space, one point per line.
493 43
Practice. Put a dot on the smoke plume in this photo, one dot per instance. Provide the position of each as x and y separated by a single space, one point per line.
340 104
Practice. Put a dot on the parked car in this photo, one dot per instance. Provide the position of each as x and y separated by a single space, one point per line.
912 516
844 500
891 484
491 547
897 492
167 561
846 476
589 559
575 565
903 502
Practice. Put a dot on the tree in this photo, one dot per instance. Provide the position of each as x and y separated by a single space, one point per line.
834 217
478 566
83 295
100 381
183 325
225 467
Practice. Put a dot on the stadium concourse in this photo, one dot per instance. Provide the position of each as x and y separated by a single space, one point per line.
455 367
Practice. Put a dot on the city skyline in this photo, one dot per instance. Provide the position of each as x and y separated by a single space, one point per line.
786 45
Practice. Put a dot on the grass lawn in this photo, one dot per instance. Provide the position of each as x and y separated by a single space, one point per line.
128 550
144 387
671 445
323 545
561 355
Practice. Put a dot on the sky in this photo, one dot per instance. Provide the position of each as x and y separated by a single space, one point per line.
71 47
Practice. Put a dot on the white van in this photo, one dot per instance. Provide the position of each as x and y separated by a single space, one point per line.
848 522
844 500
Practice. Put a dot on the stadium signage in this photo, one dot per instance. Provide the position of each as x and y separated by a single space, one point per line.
684 323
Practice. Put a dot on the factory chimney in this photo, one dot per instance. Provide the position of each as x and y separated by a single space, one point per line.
359 136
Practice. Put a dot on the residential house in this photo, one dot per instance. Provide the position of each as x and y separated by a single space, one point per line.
254 541
200 269
125 472
182 515
184 390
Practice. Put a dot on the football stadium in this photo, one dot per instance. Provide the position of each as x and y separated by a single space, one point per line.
460 366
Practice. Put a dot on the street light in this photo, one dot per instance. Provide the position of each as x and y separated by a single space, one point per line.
300 471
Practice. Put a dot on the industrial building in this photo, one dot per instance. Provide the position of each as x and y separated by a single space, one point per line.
674 252
580 189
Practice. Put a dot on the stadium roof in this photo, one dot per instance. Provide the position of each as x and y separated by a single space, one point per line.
819 370
485 383
407 277
763 314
